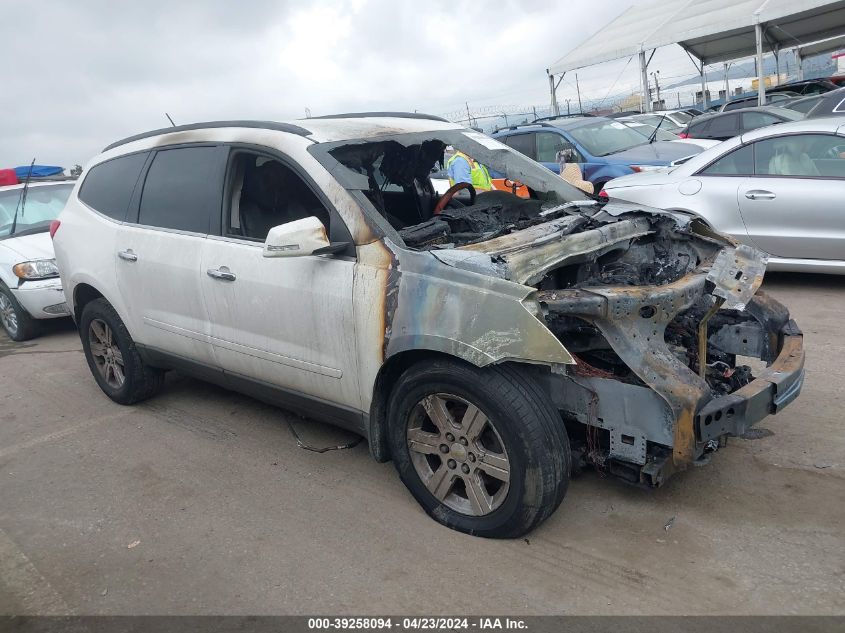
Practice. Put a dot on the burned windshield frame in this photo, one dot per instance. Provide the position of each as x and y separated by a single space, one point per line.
496 156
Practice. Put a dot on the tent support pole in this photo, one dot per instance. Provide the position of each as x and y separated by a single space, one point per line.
799 61
703 85
553 93
644 82
727 85
761 84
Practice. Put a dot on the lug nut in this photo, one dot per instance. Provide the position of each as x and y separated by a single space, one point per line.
444 448
450 437
465 468
471 457
451 463
463 441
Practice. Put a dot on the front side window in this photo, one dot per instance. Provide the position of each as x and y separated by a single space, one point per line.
801 155
266 193
549 144
183 189
739 162
42 205
108 186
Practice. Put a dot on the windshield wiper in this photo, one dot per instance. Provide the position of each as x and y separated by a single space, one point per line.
22 199
654 134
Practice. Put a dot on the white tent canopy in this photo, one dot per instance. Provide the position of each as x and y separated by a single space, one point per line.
710 30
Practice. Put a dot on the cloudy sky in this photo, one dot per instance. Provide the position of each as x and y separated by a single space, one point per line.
81 74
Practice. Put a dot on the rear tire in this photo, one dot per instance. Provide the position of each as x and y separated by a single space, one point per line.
483 451
16 321
112 356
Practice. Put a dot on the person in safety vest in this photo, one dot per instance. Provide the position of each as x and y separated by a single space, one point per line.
463 168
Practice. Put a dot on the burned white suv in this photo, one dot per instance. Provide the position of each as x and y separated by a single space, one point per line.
489 343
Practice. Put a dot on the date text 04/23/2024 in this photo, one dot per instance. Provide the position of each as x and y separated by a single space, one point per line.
417 623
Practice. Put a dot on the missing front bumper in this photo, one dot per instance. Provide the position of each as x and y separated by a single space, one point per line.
688 419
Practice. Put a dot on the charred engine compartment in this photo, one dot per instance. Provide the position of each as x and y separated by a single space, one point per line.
653 261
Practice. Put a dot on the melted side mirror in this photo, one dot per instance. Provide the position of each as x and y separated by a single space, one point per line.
295 239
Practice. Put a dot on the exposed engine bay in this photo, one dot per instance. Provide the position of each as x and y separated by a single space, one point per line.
661 315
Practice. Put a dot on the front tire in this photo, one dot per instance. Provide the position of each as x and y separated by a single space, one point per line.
16 321
483 451
112 356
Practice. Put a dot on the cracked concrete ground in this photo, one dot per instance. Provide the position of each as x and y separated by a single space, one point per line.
199 501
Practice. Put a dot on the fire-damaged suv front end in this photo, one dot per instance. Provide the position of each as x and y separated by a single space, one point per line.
648 330
662 327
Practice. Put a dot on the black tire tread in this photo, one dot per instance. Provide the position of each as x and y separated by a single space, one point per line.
142 381
541 425
28 327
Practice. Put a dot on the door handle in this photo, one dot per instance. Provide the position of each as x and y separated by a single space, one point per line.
222 273
759 194
128 255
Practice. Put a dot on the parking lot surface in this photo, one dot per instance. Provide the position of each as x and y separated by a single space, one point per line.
200 502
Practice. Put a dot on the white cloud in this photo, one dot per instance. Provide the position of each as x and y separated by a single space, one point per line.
81 74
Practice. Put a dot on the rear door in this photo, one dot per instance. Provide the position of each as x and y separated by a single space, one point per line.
159 249
793 206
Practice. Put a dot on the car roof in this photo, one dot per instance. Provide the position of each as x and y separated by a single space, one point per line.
713 115
335 127
829 124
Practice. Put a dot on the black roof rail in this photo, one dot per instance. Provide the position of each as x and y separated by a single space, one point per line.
266 125
370 115
521 125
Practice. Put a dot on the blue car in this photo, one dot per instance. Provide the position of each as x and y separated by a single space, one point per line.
604 148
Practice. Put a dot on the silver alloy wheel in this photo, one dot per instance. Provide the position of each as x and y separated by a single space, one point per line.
106 353
8 315
458 454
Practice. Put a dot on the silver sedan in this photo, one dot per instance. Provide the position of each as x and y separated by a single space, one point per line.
780 188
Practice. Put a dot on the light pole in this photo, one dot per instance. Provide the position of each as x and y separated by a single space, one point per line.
656 75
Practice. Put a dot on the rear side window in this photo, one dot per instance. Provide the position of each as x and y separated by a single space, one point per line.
108 186
696 129
522 143
183 189
736 105
754 120
727 125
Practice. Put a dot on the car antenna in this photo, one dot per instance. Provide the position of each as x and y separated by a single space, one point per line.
654 134
169 119
22 199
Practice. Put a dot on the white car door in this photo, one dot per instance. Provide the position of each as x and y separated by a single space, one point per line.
792 206
284 321
159 251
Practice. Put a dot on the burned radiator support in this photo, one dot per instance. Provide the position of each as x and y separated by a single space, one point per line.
702 336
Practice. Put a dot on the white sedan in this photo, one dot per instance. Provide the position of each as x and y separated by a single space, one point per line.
779 188
30 288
